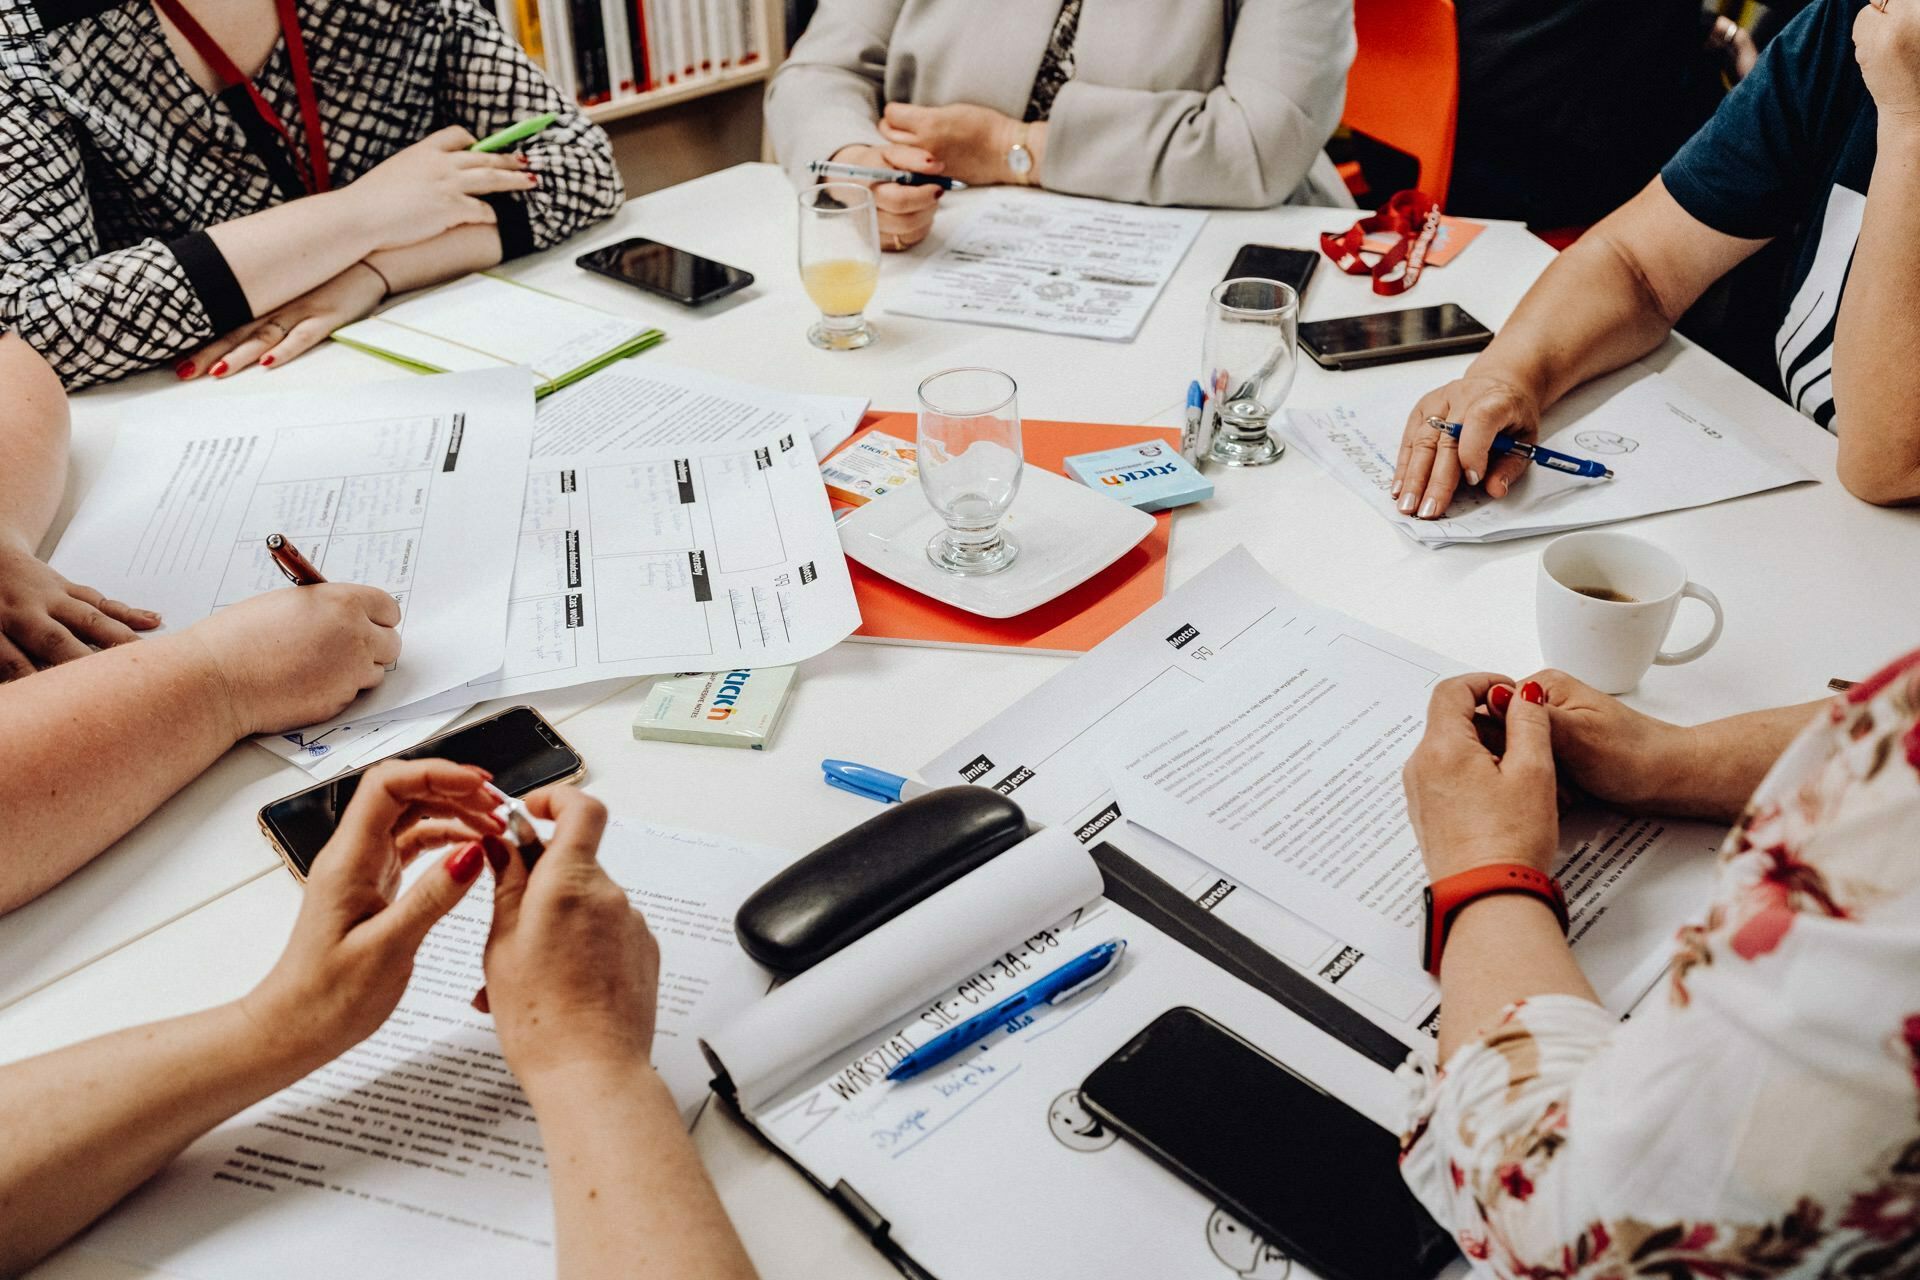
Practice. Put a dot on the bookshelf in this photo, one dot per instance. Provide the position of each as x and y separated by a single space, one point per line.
637 104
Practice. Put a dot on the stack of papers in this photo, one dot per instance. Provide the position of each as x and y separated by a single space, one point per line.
1667 451
491 322
1058 264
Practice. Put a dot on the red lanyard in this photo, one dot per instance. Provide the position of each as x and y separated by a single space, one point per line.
1411 215
311 169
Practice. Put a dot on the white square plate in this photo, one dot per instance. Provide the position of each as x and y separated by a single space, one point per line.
1066 531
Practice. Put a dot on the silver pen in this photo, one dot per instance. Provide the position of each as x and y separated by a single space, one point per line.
861 173
520 828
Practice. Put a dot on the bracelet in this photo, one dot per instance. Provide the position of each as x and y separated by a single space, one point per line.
385 283
1446 898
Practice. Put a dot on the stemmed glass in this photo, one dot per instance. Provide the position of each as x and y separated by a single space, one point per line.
839 262
1250 359
970 463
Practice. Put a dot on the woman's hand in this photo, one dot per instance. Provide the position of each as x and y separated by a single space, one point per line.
1615 754
1432 464
1471 807
351 953
433 186
905 213
298 655
1886 43
288 331
970 143
572 971
46 620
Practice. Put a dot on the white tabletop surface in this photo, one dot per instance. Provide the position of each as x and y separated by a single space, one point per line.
1806 577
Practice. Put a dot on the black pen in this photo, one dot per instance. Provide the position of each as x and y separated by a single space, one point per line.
900 177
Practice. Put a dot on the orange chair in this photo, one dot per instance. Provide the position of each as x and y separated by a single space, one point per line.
1404 88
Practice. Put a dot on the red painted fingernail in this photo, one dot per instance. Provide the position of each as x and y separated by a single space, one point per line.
265 361
497 853
218 369
1533 693
1499 697
533 179
184 369
465 864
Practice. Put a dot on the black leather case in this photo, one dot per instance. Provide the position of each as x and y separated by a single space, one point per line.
857 882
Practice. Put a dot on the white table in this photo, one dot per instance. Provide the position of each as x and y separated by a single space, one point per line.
1806 576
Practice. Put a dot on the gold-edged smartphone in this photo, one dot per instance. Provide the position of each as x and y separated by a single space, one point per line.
518 747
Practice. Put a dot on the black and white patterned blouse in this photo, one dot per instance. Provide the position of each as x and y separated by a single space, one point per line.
1056 64
113 162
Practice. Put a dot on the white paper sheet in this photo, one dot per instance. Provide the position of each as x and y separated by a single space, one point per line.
1049 753
327 751
1667 450
1058 264
411 486
637 406
486 322
641 562
418 1146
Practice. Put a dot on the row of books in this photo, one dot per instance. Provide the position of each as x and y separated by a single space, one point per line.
602 50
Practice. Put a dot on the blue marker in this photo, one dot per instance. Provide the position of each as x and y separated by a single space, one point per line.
1075 976
1503 445
1192 447
874 784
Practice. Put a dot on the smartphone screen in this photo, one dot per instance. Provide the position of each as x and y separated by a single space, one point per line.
518 747
662 269
1319 1180
1293 267
1393 335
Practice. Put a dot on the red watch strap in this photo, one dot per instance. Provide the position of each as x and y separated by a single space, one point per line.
1448 896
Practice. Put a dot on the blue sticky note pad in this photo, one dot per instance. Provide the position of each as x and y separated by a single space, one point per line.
1152 477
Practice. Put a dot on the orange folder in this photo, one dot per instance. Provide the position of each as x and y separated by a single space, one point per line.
1068 624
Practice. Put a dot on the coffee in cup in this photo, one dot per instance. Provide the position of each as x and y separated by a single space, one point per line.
1605 602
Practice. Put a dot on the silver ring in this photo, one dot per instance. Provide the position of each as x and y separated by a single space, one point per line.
276 325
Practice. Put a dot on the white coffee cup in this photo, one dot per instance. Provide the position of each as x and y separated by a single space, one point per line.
1605 604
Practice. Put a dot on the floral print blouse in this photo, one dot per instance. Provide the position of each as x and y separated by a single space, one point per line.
1758 1118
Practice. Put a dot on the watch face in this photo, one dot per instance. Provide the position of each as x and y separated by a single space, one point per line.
1019 159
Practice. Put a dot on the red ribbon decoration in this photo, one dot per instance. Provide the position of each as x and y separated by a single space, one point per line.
1412 216
311 168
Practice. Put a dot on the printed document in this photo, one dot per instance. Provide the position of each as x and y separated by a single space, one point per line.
1049 753
634 405
999 1132
418 1145
645 561
329 750
412 486
1667 450
1058 264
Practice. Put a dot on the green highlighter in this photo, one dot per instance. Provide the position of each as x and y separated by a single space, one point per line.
514 133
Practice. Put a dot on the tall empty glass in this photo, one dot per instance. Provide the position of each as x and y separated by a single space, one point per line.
970 463
1249 358
839 261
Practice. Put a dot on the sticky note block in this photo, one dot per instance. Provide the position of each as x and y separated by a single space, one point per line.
1151 477
717 709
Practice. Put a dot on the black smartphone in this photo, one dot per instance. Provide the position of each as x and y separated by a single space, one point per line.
1387 337
518 747
1319 1180
685 277
1270 262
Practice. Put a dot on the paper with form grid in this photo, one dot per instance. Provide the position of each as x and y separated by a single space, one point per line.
417 1145
646 560
411 486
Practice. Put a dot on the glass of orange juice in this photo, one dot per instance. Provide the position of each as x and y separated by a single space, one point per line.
839 262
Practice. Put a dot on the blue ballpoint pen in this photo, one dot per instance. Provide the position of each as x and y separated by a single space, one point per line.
1192 447
1075 976
1533 453
874 784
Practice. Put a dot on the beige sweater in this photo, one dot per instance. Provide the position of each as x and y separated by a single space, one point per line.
1223 103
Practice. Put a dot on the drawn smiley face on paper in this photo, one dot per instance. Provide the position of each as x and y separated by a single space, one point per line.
1075 1127
1244 1251
1606 442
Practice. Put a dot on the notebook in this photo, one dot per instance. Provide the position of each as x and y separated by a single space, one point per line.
1072 624
486 321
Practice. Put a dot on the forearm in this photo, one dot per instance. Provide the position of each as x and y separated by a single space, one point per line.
1502 949
280 253
71 780
1876 382
87 1125
1724 761
33 444
1589 313
630 1197
452 253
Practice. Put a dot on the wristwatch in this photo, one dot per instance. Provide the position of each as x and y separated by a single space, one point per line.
1448 896
1019 159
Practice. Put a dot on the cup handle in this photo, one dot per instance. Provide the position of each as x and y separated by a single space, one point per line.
1706 597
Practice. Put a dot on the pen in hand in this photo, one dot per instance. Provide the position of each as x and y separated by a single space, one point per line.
1539 457
520 829
299 570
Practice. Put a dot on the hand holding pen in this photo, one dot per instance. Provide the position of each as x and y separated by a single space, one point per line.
1505 446
1433 462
